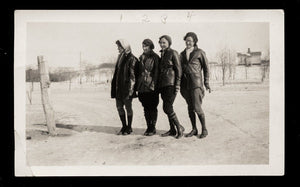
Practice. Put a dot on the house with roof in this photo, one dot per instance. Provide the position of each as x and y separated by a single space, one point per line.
249 58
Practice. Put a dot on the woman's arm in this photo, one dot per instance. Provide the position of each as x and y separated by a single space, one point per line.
178 70
204 64
132 71
155 71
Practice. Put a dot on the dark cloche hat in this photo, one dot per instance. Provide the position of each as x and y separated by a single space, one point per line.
168 38
149 43
193 35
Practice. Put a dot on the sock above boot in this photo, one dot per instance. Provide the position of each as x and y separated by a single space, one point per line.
129 119
204 132
202 120
192 117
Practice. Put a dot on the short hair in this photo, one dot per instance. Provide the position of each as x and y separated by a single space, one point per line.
192 35
149 43
168 38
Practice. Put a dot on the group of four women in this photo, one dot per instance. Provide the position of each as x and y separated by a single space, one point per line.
151 75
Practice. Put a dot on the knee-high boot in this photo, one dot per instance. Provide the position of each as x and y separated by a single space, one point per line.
179 128
147 118
124 126
172 131
129 120
204 132
153 118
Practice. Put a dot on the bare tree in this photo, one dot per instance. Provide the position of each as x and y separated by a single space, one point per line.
90 71
29 92
246 68
31 76
222 56
64 74
265 65
71 75
231 63
81 67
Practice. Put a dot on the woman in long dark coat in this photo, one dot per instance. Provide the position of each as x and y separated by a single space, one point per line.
169 83
147 85
123 85
194 61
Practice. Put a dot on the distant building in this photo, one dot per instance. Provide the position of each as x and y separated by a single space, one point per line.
249 58
101 74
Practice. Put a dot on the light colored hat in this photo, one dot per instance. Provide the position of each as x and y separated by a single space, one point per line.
123 43
168 38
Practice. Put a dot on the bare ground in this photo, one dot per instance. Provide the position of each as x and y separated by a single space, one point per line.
237 117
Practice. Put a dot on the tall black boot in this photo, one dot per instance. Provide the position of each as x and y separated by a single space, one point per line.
194 131
179 128
172 131
153 118
129 129
124 126
147 117
204 132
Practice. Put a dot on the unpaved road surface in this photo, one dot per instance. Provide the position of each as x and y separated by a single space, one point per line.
237 119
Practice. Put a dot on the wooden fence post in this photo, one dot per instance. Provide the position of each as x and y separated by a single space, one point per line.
45 84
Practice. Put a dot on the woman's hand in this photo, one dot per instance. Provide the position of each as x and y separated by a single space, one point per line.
208 88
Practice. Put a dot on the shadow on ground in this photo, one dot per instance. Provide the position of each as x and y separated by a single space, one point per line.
103 129
38 134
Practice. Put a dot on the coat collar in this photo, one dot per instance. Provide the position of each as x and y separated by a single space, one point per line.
195 48
168 49
191 54
122 57
151 53
146 55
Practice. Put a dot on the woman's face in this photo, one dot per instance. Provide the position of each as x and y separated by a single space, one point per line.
189 42
146 48
164 44
120 49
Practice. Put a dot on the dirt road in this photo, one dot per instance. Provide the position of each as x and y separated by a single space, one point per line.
237 118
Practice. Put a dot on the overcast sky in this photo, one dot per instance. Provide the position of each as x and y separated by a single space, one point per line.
62 43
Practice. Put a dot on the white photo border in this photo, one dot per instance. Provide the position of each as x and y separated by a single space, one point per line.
275 18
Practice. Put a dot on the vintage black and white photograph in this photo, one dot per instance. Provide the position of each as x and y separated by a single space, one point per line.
149 92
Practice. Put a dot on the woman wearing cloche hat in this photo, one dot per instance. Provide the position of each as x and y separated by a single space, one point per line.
169 83
194 61
147 85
